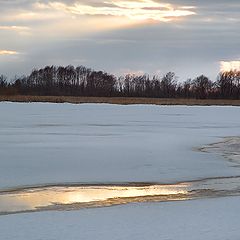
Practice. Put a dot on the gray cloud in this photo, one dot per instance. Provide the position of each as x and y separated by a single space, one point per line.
189 46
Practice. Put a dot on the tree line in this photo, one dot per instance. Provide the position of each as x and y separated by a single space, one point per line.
82 81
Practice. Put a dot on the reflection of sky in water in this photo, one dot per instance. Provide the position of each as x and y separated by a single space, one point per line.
31 199
44 197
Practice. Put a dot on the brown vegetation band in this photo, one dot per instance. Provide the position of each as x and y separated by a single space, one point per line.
120 100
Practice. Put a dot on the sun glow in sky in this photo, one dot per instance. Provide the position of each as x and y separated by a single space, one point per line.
140 10
153 36
229 66
7 52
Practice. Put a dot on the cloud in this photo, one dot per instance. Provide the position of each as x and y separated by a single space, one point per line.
121 34
130 72
8 52
226 66
14 28
136 10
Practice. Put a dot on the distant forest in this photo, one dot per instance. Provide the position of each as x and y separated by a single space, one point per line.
82 81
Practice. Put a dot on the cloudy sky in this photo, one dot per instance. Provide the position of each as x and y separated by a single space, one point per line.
121 36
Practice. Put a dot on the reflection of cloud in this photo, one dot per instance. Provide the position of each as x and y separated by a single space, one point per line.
229 65
7 52
138 10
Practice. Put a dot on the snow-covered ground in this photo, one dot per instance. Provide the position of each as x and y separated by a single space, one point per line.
208 219
43 143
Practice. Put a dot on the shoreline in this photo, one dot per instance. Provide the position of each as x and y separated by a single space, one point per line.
120 100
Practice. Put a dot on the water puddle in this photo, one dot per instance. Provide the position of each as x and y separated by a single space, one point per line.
72 197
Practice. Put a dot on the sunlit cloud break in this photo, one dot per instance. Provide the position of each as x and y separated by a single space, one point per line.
14 28
137 10
7 52
226 66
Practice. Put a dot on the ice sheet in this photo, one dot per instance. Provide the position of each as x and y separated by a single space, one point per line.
43 143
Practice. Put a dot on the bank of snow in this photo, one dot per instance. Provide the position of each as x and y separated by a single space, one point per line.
209 219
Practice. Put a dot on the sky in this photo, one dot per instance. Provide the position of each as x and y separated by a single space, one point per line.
121 36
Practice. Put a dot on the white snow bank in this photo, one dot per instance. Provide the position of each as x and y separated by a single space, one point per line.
209 219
